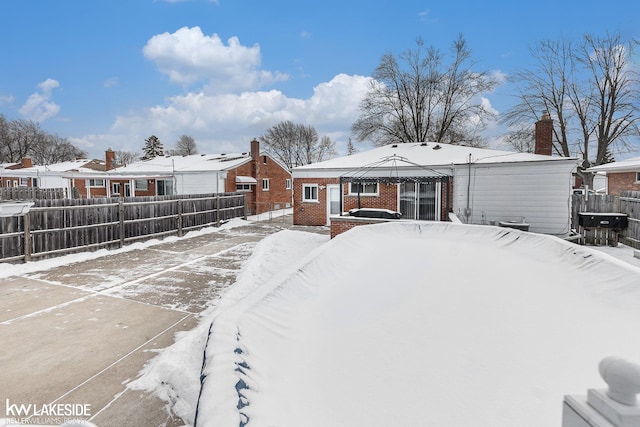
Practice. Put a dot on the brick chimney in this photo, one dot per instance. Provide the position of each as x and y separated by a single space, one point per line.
109 157
255 150
544 135
26 162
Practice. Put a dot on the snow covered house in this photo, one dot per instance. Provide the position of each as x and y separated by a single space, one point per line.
430 181
620 176
266 182
25 174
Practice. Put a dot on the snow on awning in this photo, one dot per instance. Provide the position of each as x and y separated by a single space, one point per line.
245 180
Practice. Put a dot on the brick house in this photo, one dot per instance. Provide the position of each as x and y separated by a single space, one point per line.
266 182
53 176
622 175
431 181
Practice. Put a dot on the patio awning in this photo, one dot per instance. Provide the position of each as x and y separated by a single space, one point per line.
245 180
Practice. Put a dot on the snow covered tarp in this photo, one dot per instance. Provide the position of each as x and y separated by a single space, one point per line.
433 324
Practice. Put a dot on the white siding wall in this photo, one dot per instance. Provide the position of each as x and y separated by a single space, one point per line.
199 183
537 193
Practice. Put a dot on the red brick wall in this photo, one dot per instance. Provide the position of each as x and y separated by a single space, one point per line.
622 181
311 213
315 213
387 198
342 224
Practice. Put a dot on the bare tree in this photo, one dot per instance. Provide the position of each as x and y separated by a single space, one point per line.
22 138
296 144
185 146
124 158
417 97
521 140
50 149
591 90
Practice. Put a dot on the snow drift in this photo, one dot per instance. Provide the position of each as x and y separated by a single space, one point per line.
434 324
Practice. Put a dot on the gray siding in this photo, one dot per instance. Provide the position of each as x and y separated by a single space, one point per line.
536 193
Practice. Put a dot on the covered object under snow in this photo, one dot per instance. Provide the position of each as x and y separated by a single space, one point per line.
459 326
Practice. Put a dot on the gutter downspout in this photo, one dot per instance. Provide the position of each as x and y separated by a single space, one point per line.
467 210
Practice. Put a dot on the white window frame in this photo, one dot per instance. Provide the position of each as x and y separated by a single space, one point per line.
637 176
265 184
363 193
304 193
93 183
287 184
243 187
24 182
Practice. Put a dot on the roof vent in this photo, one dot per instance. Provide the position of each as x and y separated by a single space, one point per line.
424 144
203 154
437 147
394 146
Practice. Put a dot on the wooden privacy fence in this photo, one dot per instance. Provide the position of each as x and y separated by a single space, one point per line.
58 227
627 203
32 193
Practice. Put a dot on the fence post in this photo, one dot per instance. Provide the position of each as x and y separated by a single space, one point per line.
27 236
121 220
217 210
245 205
179 218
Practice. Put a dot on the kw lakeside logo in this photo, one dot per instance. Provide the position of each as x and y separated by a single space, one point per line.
53 414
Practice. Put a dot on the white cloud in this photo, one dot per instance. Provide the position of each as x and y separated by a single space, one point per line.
6 99
227 122
39 105
188 56
111 82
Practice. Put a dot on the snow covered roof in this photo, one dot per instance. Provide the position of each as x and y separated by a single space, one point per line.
191 163
79 165
429 154
629 165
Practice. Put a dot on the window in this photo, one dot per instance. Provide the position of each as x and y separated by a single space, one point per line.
287 184
243 187
310 193
8 184
637 176
365 189
141 185
265 184
264 160
116 189
96 183
34 182
164 187
24 182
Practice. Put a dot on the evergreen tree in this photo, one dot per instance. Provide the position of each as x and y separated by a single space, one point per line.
351 149
152 148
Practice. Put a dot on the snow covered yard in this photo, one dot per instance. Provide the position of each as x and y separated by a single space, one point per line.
417 324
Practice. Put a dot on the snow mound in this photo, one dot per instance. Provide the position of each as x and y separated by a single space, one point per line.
421 324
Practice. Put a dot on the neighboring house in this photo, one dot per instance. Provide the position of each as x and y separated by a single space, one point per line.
428 181
25 174
267 183
622 175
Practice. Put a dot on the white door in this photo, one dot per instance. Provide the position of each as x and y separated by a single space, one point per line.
333 200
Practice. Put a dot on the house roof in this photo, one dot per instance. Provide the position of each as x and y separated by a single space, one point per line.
191 163
629 165
79 165
427 155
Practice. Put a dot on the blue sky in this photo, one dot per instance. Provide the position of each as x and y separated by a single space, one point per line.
110 73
